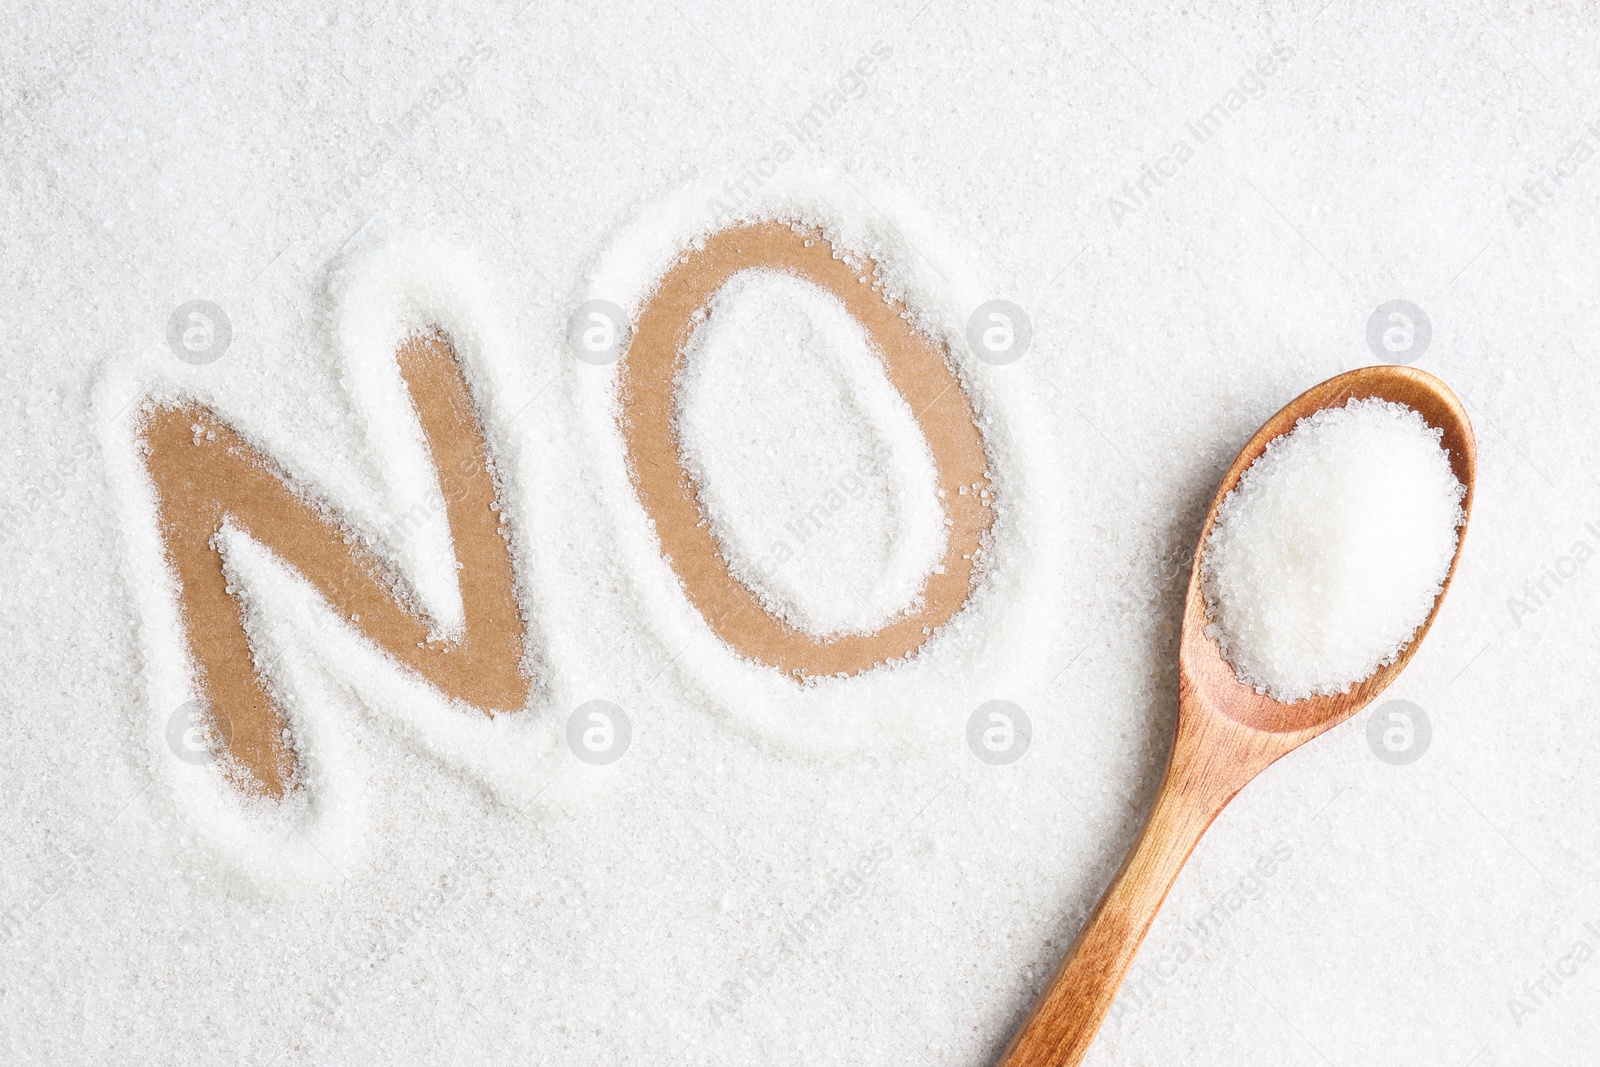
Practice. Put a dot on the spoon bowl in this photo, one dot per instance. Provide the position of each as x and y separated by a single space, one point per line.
1227 733
1205 678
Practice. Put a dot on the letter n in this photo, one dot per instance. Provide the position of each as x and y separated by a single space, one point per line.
212 476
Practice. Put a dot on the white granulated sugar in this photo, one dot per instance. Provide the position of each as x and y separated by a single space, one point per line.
812 470
1200 213
1331 549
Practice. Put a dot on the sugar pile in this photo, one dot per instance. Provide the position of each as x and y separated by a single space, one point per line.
813 472
1331 549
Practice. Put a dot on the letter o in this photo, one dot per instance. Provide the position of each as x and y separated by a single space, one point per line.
914 364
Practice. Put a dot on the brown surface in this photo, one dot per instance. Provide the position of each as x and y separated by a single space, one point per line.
915 366
203 479
1227 733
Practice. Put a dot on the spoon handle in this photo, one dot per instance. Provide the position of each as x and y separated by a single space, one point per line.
1063 1022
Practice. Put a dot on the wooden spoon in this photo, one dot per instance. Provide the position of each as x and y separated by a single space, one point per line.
1227 733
